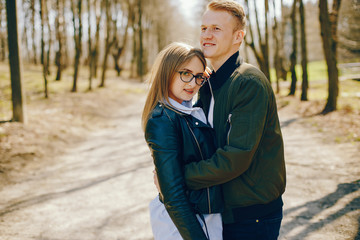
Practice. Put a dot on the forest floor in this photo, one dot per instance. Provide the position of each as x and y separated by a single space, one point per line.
80 169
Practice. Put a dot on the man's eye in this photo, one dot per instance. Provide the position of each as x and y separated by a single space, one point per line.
203 29
217 29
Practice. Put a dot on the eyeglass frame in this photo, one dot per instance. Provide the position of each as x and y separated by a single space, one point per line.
193 76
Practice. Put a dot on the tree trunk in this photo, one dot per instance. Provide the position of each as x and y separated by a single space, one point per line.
140 68
294 51
266 43
134 52
2 37
65 53
329 46
304 61
108 43
77 38
282 58
95 52
18 100
276 54
119 50
90 61
43 58
33 32
25 41
262 55
59 24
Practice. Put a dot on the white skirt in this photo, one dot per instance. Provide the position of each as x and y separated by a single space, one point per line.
163 227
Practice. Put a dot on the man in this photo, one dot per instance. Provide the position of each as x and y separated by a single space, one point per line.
240 105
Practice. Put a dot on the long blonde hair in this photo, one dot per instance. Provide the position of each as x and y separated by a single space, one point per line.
166 64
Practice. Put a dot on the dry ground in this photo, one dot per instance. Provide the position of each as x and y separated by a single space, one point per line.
80 169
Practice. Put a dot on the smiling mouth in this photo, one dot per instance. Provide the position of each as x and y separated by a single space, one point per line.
189 91
208 44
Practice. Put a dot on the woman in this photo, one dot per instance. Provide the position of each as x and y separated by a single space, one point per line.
178 134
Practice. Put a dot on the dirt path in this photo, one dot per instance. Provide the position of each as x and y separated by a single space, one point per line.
322 198
99 189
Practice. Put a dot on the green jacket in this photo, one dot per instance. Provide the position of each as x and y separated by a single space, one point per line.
250 159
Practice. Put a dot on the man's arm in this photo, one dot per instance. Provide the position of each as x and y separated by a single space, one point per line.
247 121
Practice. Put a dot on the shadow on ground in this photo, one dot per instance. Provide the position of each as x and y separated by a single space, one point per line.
314 208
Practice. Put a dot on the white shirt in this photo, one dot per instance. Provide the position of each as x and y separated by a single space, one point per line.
211 108
186 107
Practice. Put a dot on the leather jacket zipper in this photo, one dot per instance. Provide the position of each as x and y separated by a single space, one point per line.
202 158
228 135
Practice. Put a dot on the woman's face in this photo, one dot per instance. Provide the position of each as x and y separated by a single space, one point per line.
181 91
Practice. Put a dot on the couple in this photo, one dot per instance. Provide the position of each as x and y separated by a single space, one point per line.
219 164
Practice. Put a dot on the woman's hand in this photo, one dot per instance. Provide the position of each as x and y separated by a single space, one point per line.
207 72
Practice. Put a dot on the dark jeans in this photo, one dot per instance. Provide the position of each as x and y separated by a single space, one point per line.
266 228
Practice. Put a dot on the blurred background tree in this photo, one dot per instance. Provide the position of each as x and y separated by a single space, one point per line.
126 35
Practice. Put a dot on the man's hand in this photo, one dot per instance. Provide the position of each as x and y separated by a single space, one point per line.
156 181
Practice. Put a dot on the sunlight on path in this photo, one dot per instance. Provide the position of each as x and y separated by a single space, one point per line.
98 190
322 196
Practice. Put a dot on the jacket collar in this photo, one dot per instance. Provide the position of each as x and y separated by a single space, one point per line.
187 108
218 78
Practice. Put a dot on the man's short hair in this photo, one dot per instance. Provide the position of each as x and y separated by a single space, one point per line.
232 7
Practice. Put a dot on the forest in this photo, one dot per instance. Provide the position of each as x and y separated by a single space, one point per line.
73 81
124 36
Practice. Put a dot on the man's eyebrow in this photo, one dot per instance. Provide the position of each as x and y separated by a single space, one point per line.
211 25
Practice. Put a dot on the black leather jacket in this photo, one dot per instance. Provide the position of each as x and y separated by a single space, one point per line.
176 139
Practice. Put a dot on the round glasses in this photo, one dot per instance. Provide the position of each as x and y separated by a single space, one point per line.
187 77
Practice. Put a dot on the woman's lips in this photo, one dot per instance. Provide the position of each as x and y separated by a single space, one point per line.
189 91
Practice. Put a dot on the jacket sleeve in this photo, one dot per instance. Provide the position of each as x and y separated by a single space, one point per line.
245 129
164 143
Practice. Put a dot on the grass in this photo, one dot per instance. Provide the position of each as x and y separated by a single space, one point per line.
33 84
317 71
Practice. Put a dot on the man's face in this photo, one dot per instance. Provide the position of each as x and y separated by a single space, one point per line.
217 36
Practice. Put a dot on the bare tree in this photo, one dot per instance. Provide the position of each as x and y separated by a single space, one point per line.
328 34
59 25
76 10
140 68
33 32
25 7
119 45
2 32
44 58
90 48
293 55
305 82
93 42
261 47
18 100
109 41
275 32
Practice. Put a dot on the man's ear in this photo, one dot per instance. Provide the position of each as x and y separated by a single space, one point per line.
239 36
